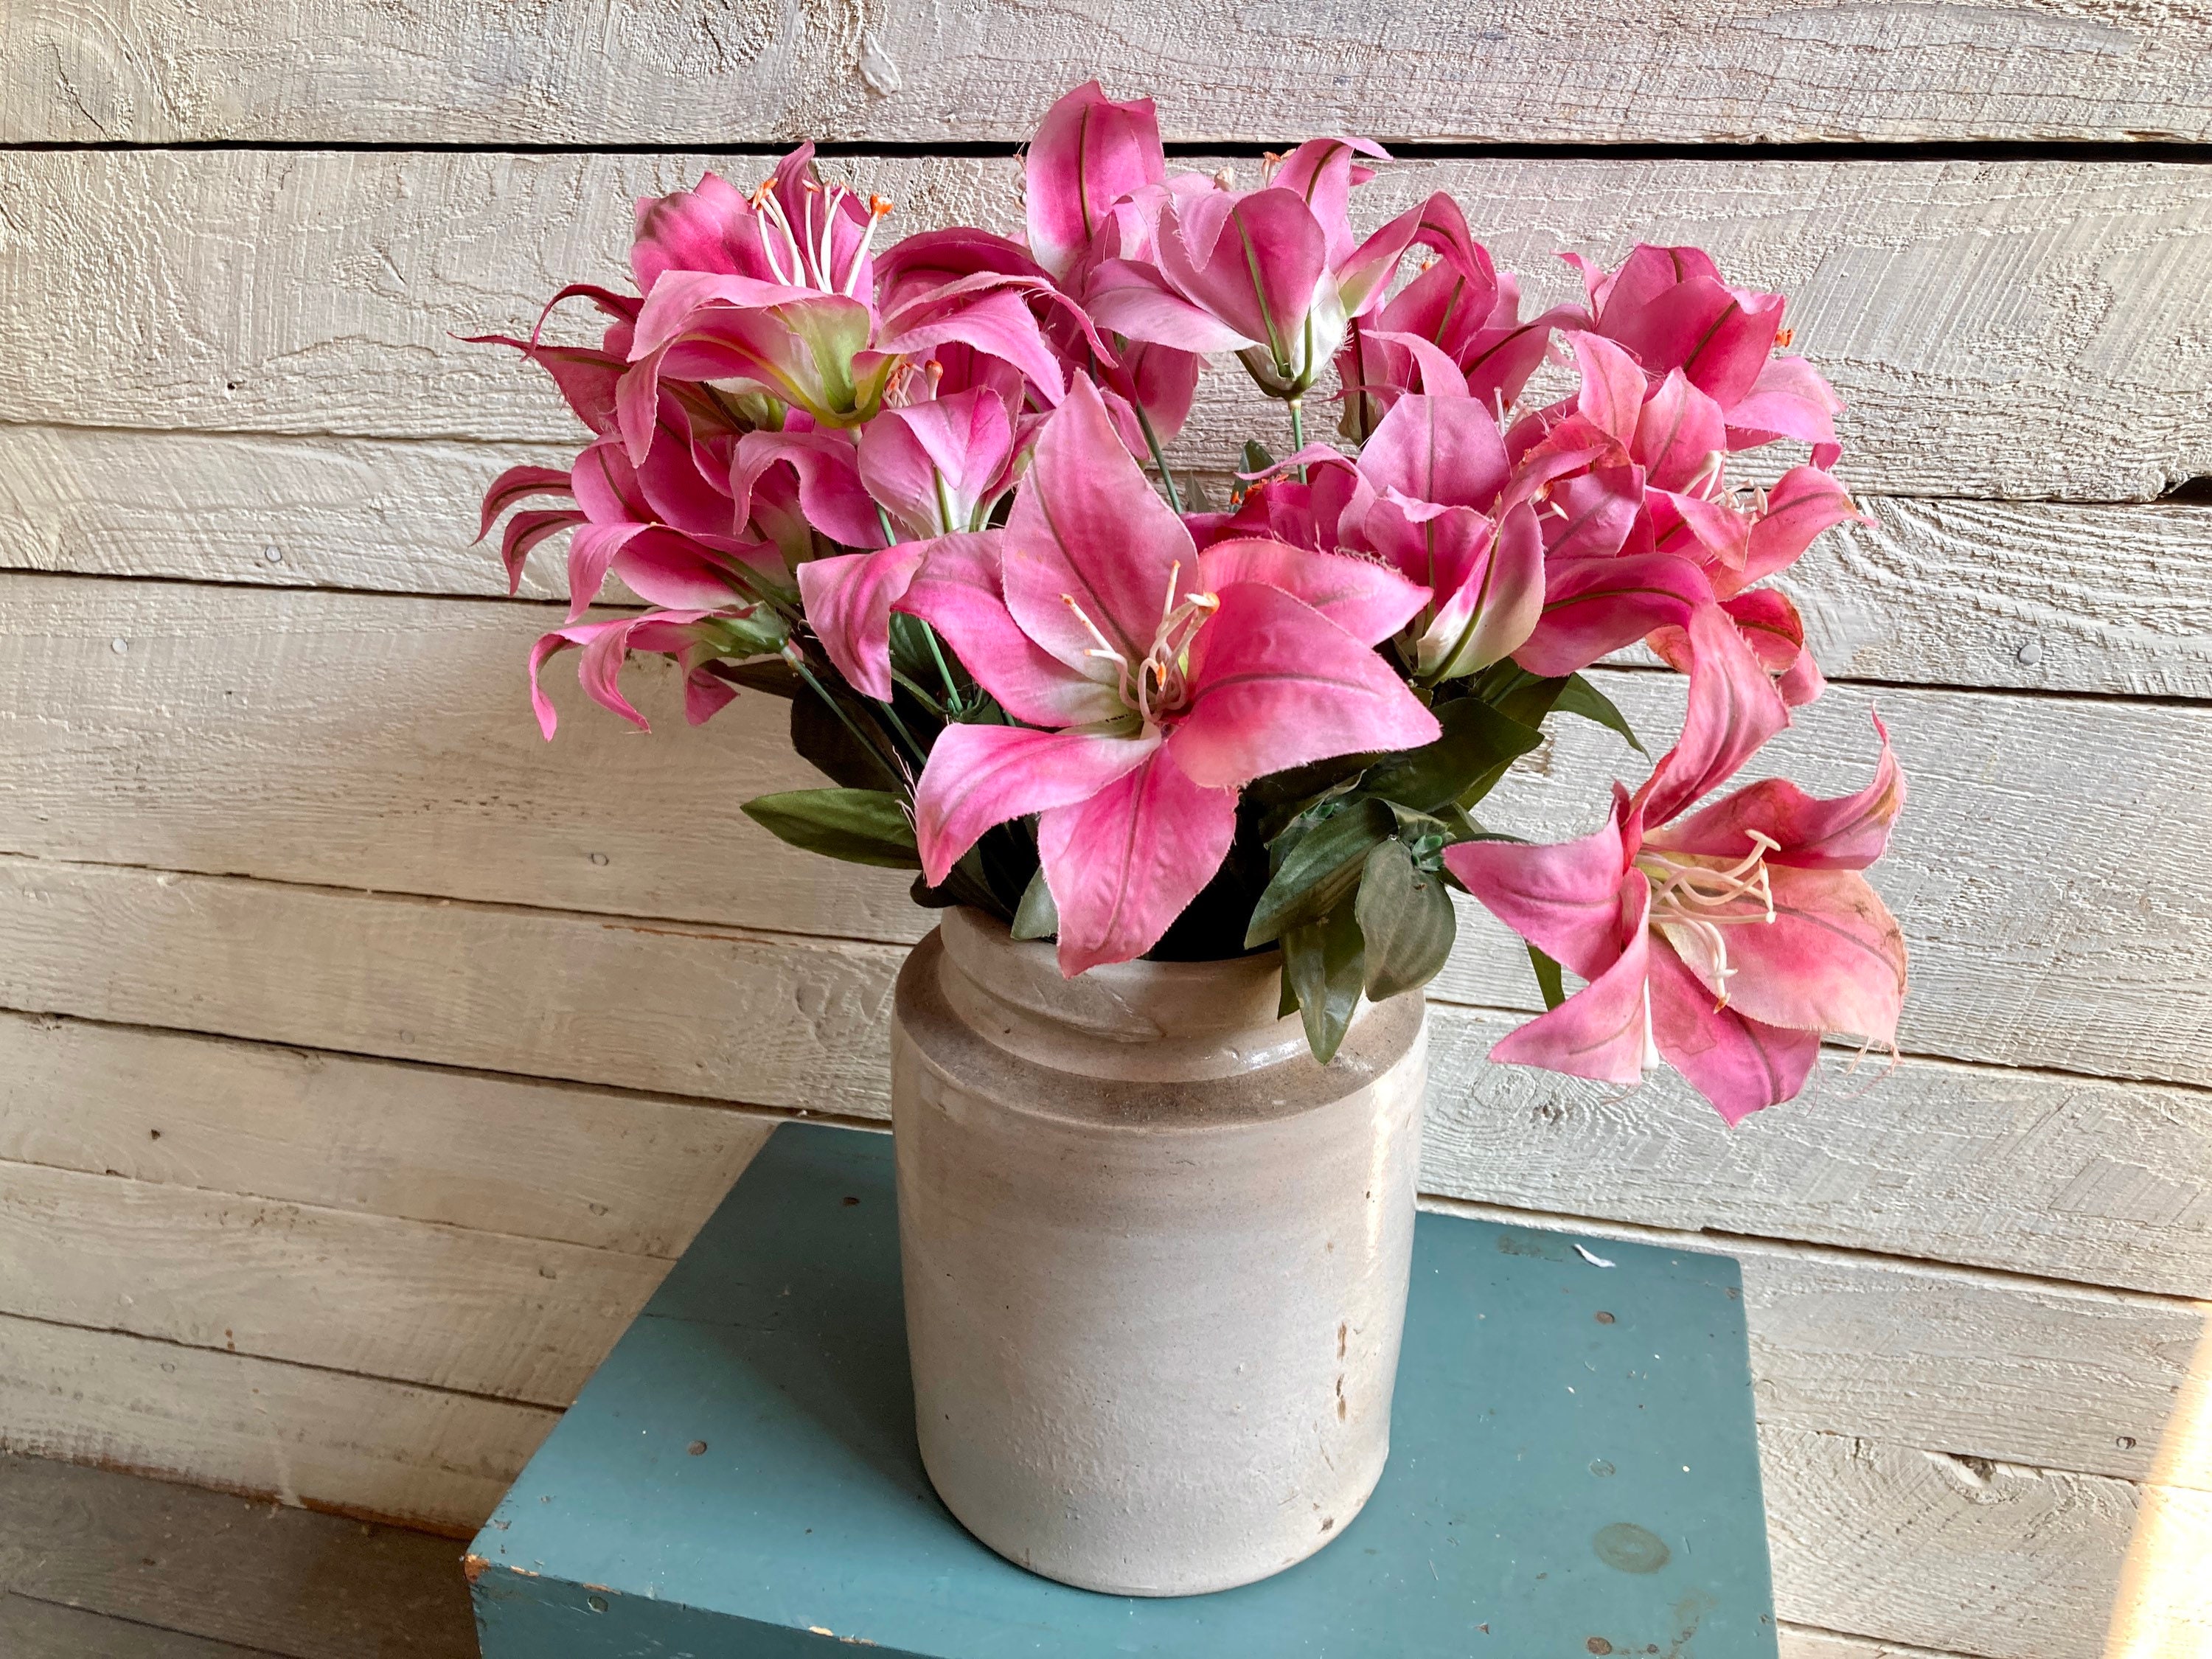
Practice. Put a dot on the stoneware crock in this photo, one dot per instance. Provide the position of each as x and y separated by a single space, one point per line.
1155 1257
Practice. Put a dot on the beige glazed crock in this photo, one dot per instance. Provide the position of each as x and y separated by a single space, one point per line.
1155 1257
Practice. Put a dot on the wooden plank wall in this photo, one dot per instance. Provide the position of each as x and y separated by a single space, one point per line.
364 1060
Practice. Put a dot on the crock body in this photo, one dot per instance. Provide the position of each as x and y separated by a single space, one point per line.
1155 1257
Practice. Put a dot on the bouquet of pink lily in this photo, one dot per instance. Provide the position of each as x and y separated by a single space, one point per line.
906 489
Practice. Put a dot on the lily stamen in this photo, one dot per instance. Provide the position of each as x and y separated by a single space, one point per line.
1684 894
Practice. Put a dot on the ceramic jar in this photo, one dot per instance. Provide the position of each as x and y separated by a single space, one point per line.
1155 1257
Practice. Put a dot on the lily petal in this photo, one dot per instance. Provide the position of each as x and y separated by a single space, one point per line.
1566 899
958 591
1123 864
848 602
1734 708
1738 1063
1602 1030
1367 601
1847 832
981 775
1274 684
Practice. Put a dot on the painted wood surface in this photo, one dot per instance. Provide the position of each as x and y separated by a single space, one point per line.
2034 842
2033 595
356 1445
460 1308
613 1169
209 1565
590 71
2009 329
1978 1557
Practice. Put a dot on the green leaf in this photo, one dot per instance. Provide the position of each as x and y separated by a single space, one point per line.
1256 458
1405 918
1579 696
1478 744
1323 962
1273 801
1036 917
1517 693
1547 978
1319 868
861 826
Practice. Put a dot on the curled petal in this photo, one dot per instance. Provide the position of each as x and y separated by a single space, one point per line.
1123 864
1091 545
982 776
1595 605
1678 434
958 591
1804 501
1088 154
1789 399
849 605
1734 708
1846 832
1443 450
1564 899
1611 397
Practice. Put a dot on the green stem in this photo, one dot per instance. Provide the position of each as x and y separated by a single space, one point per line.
799 663
1152 442
953 700
905 736
923 695
1298 407
891 536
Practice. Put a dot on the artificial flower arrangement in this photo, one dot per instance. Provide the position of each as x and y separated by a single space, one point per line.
905 489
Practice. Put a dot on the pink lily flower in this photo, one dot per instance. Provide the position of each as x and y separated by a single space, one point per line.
1151 682
1464 308
1724 945
939 466
1090 154
1271 274
1671 307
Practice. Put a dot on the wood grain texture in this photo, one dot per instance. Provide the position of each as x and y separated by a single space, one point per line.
480 1312
334 512
1993 1364
354 1444
213 1566
45 1630
1805 1642
2041 596
251 732
613 1171
557 71
2052 1176
2056 1176
1987 1558
2007 328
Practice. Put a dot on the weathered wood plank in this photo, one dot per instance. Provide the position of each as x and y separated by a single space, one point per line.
2053 1177
590 71
1804 1642
252 731
46 1629
225 293
613 1171
2024 1172
769 1019
2041 870
356 1444
481 1312
2044 1175
1997 1367
213 1566
2043 596
276 512
2037 596
1977 1558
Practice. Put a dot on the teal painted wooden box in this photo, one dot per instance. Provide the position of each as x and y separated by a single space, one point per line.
1572 1470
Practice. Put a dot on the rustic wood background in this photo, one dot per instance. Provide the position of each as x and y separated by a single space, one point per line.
366 1060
